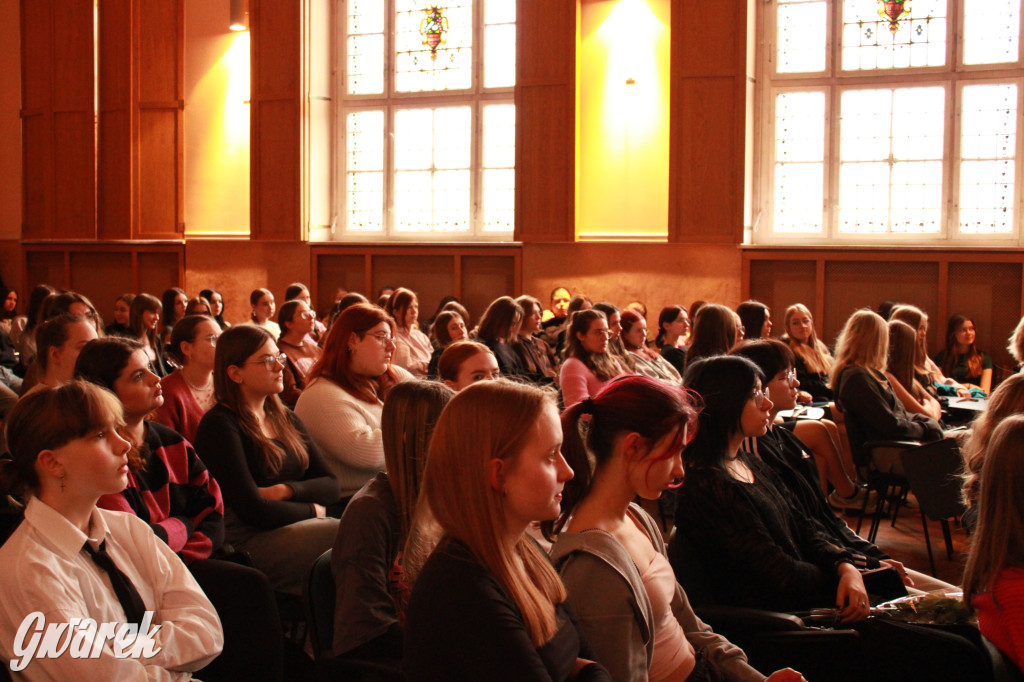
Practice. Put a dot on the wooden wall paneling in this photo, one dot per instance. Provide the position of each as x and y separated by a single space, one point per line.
430 275
333 270
102 276
74 120
160 270
818 311
368 278
485 278
708 113
987 292
159 87
115 180
545 96
780 284
276 158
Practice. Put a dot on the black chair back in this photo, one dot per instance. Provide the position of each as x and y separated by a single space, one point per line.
933 471
320 606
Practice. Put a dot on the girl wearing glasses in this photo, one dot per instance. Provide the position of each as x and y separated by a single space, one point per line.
297 322
611 555
734 511
342 403
588 365
188 391
276 484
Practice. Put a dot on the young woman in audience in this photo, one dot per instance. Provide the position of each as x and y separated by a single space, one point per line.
961 358
276 484
1005 402
813 359
448 328
121 326
488 604
174 302
871 408
673 328
994 576
611 555
412 347
72 302
33 317
65 454
263 307
588 365
8 309
641 358
466 362
297 320
143 320
928 373
198 306
216 300
342 403
188 391
536 356
775 360
297 291
714 332
371 598
736 514
558 335
60 340
755 318
899 371
498 327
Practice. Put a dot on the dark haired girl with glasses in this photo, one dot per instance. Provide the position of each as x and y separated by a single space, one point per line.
275 482
588 365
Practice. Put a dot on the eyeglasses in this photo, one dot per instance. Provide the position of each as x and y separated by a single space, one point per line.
383 338
307 315
271 361
791 377
760 396
212 339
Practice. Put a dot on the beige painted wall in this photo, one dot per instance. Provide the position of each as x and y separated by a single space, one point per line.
216 122
10 122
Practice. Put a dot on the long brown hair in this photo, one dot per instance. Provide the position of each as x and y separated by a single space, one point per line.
815 354
234 347
998 541
1006 401
407 422
915 317
602 365
144 303
336 362
950 358
714 332
900 359
490 420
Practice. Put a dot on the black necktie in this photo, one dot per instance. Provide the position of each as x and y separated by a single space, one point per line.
131 602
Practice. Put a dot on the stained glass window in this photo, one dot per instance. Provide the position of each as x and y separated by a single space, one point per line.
428 118
877 130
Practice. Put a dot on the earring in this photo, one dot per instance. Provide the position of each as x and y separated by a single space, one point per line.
62 483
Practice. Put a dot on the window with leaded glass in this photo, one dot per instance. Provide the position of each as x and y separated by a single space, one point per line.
889 122
427 119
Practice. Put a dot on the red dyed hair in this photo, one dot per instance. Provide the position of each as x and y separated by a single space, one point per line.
336 362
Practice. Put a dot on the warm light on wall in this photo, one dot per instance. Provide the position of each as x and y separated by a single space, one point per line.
623 119
239 15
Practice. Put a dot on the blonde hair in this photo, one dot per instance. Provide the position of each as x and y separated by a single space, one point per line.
998 541
490 420
1015 343
814 353
1006 401
864 342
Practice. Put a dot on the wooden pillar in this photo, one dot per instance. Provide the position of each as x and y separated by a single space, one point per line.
277 154
545 95
708 113
58 119
115 191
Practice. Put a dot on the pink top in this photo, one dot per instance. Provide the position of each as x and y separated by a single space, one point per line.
671 648
578 382
1003 625
413 351
180 411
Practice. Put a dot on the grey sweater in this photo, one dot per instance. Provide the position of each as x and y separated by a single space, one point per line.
607 594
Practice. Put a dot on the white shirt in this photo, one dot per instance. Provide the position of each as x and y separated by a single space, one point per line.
45 569
413 351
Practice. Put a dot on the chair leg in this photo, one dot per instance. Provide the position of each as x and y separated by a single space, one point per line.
928 543
864 506
949 539
876 521
898 499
